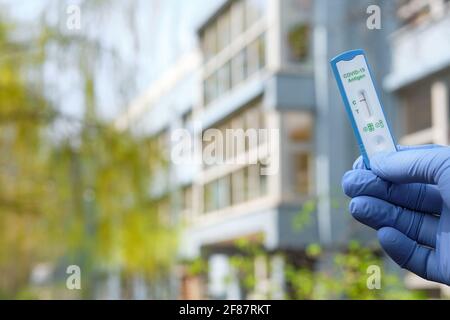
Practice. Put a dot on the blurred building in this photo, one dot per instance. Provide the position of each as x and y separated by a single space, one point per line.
420 79
264 64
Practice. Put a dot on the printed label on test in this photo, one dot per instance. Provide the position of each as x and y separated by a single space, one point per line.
363 106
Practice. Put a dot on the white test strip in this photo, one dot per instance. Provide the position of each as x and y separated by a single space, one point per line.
362 103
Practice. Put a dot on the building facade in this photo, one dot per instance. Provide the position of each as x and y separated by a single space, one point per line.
420 80
263 66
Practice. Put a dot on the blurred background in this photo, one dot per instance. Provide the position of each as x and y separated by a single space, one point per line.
94 93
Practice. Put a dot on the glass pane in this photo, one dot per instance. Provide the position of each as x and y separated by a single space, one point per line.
207 198
206 93
224 192
299 126
262 51
237 19
251 123
237 123
246 184
210 41
263 180
238 68
228 145
416 107
254 11
256 55
215 195
298 42
251 117
301 170
223 30
224 79
253 57
210 88
205 47
238 187
253 182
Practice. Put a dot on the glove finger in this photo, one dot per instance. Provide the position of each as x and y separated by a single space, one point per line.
359 163
409 254
443 243
377 213
409 166
414 196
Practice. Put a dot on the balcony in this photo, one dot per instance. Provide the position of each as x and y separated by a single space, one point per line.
420 48
274 223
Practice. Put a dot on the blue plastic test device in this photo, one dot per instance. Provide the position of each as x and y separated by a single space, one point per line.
362 103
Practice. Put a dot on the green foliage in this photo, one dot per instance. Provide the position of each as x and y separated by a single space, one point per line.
298 38
243 262
196 267
346 278
23 113
82 198
303 217
113 217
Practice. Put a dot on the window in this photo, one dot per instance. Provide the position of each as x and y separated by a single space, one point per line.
263 136
239 68
261 51
251 117
298 43
301 168
224 192
416 107
207 198
245 184
245 63
298 132
238 187
230 30
254 11
238 147
253 182
263 179
210 42
210 91
253 57
224 79
223 30
423 110
237 19
299 126
417 101
256 55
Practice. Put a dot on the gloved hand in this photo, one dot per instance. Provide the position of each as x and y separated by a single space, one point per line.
406 197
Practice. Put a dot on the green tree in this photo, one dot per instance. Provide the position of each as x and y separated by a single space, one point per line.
24 112
346 278
76 197
343 275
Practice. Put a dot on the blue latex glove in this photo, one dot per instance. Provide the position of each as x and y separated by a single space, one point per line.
406 197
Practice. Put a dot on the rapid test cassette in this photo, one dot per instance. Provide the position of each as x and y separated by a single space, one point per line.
362 103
